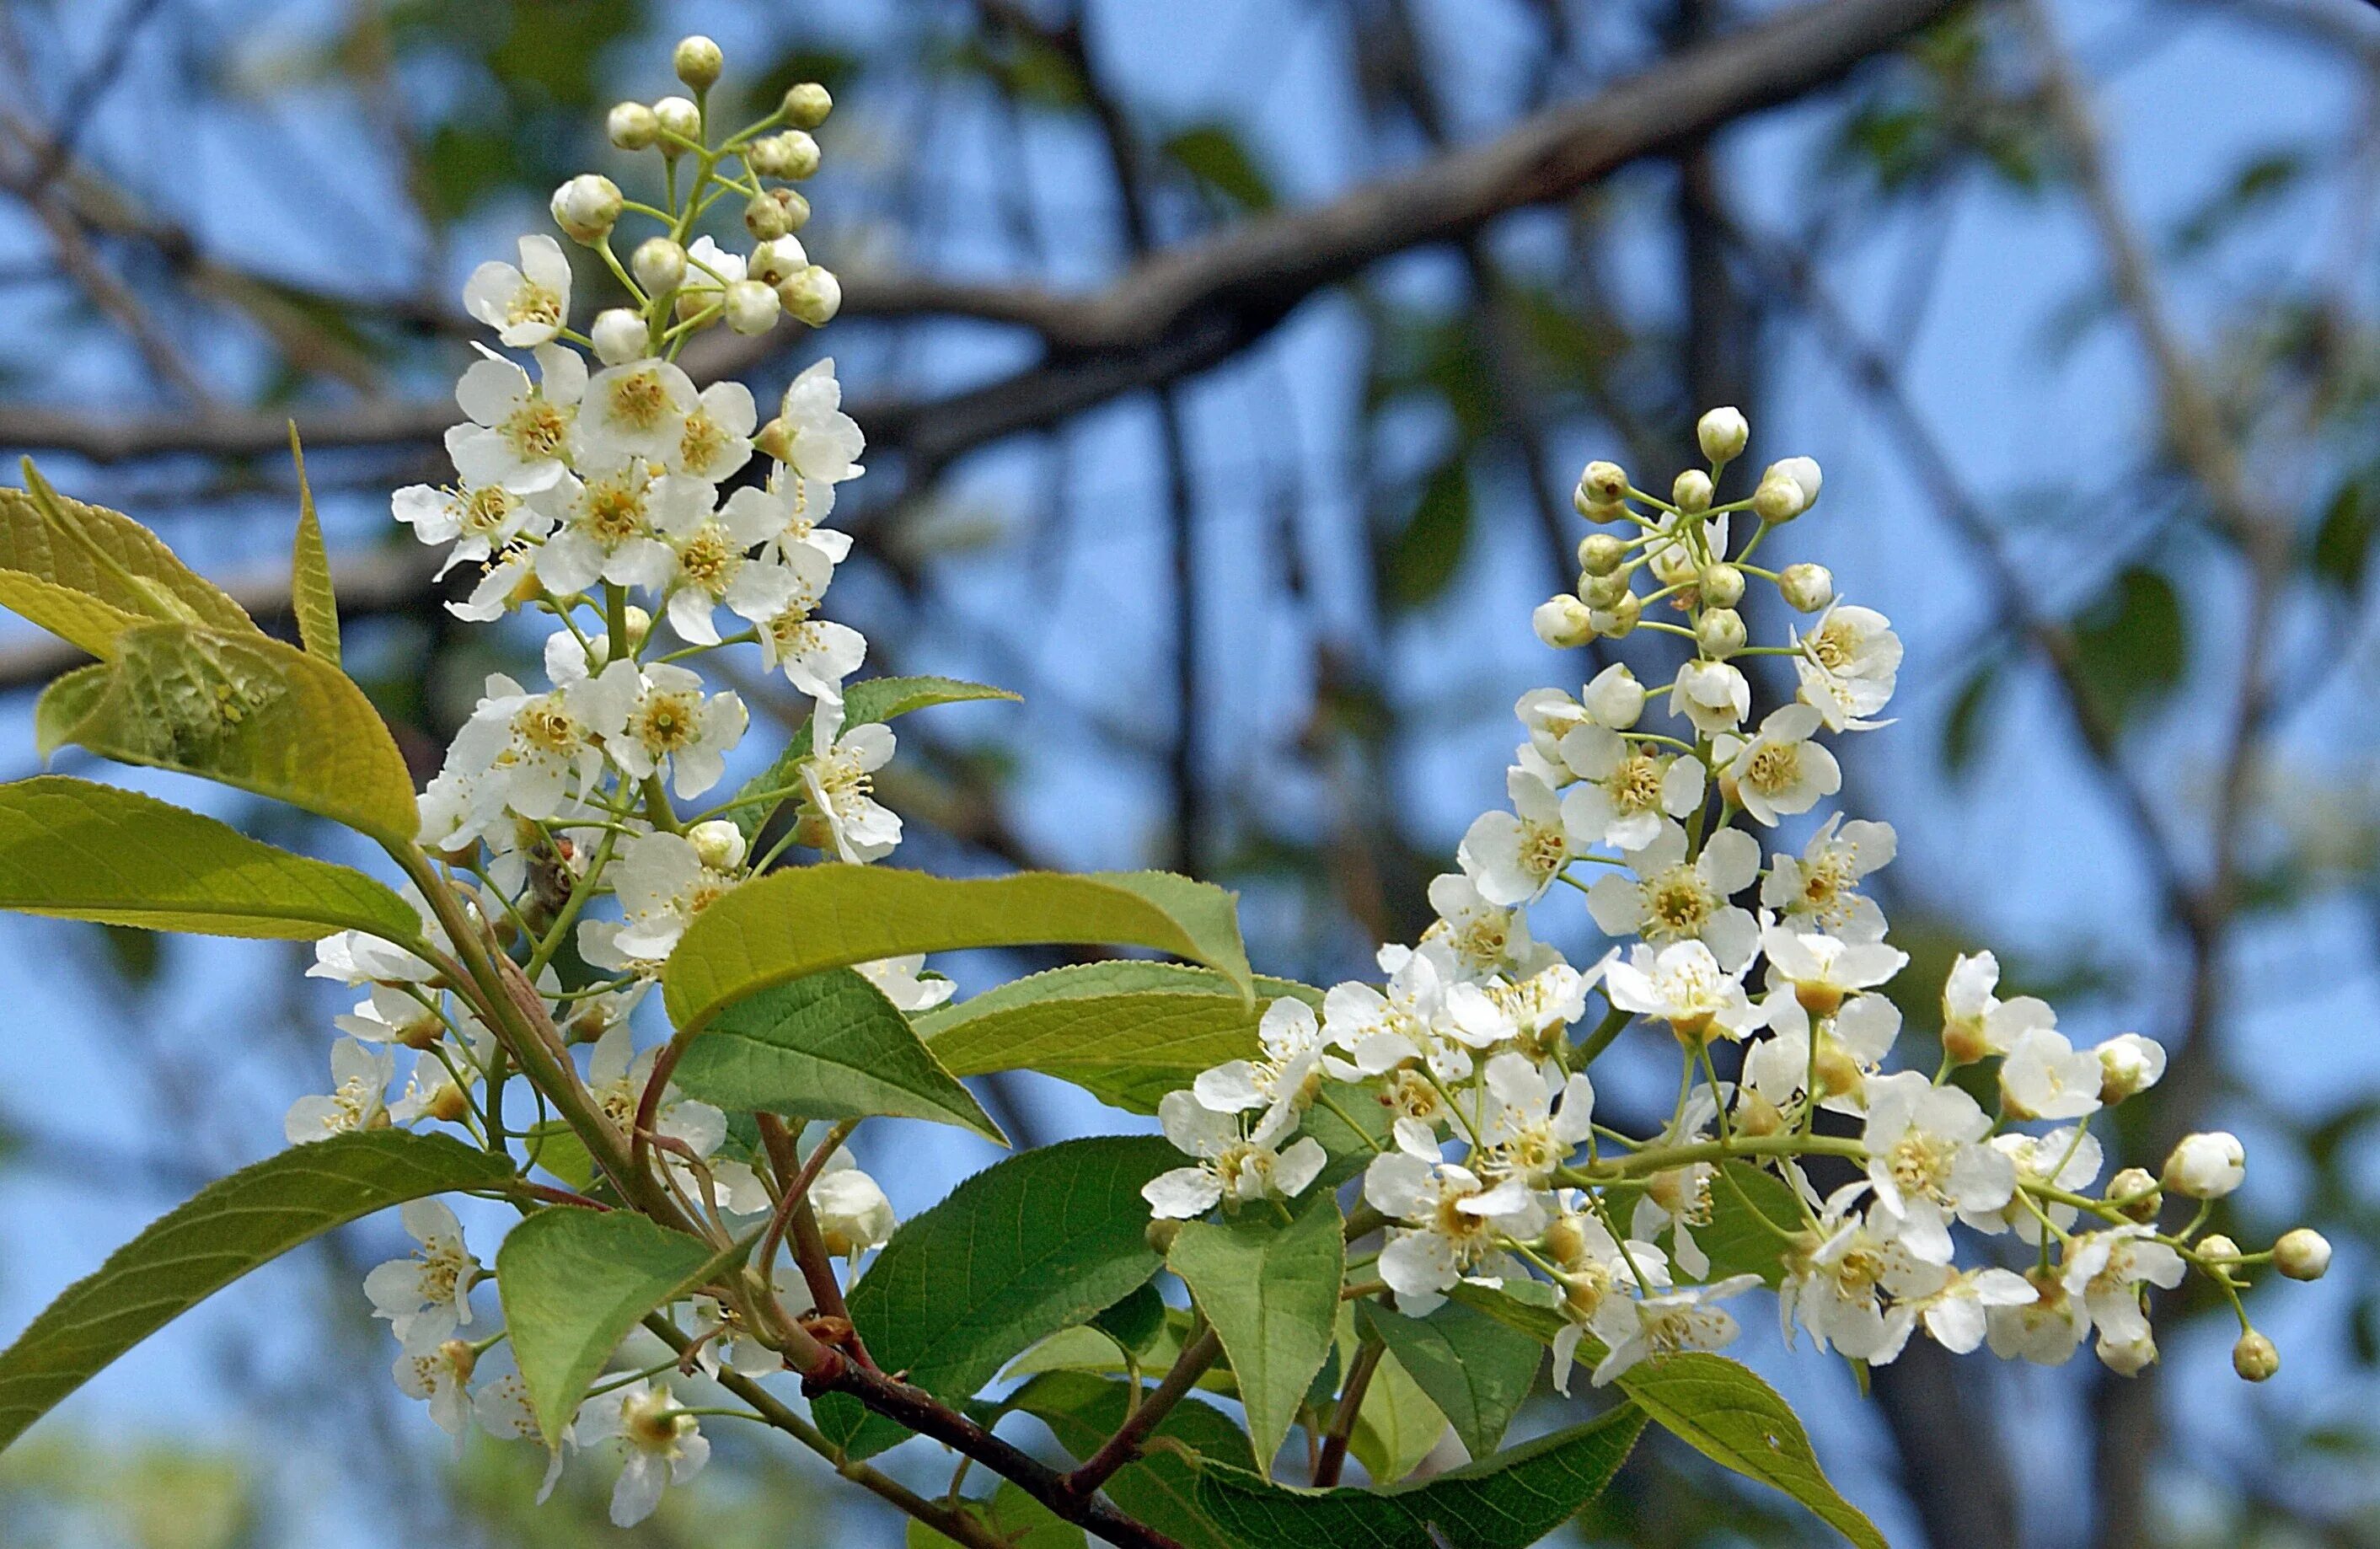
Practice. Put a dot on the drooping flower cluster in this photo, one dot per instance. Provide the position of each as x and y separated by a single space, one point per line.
601 492
1463 1080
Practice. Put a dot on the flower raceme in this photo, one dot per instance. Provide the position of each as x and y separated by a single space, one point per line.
646 523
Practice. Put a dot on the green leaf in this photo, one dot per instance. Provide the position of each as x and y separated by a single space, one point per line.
1738 1239
1219 158
1138 1324
1015 1518
1127 1032
1350 1125
108 556
809 919
81 620
242 709
1419 560
826 1047
311 597
1714 1405
552 1145
573 1282
1033 1244
2131 642
1162 1488
2342 542
1397 1426
1505 1502
78 851
1476 1371
227 1228
864 703
1271 1290
1962 728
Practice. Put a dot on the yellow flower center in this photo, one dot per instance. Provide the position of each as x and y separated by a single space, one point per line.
640 400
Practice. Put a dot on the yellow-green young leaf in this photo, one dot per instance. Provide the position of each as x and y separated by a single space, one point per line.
229 1227
1127 1032
554 1145
79 851
1271 1290
1030 1245
808 920
573 1282
311 597
1015 1518
864 703
1752 1214
826 1047
1714 1405
1475 1370
1505 1502
1162 1488
81 620
1397 1426
109 556
242 709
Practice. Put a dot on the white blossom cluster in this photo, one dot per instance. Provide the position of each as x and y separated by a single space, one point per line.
1492 1170
598 497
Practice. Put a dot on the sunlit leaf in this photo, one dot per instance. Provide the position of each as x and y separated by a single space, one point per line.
312 596
1271 1290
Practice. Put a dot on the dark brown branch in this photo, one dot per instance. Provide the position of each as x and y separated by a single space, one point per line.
1343 1422
1124 1446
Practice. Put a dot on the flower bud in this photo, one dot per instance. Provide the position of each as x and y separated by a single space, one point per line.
1562 622
1600 553
814 296
1805 471
1161 1234
1723 433
775 261
2302 1254
697 61
1603 591
1719 632
775 440
2129 1063
620 335
2254 1357
448 1104
1721 585
751 306
632 126
587 207
458 1354
1692 491
1806 588
1566 1241
1756 1116
2136 1193
1614 699
766 219
679 117
658 265
1618 620
1603 484
1779 497
790 154
806 104
640 625
2222 1253
2130 1358
718 844
2206 1166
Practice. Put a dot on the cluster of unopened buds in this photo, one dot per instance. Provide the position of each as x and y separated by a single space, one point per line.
589 498
1491 1176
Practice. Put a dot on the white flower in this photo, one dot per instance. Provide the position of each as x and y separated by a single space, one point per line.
1683 985
1230 1166
1957 1312
1548 715
1825 971
662 884
1597 1270
1848 664
1780 772
635 412
2067 1158
396 1014
816 654
1713 694
2128 1064
710 567
1821 887
2106 1270
1670 900
436 1367
1293 1044
519 435
727 1345
507 583
1454 1222
1840 1296
2206 1166
1419 1017
661 1442
607 526
2044 1329
854 1217
1625 787
839 778
1852 1045
2045 1077
525 306
823 442
1484 936
717 436
357 1099
1525 1134
616 1078
477 519
429 1291
1927 1159
1613 697
354 957
1974 1020
1512 857
1634 1329
1553 996
676 724
1676 1200
532 750
899 978
797 508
